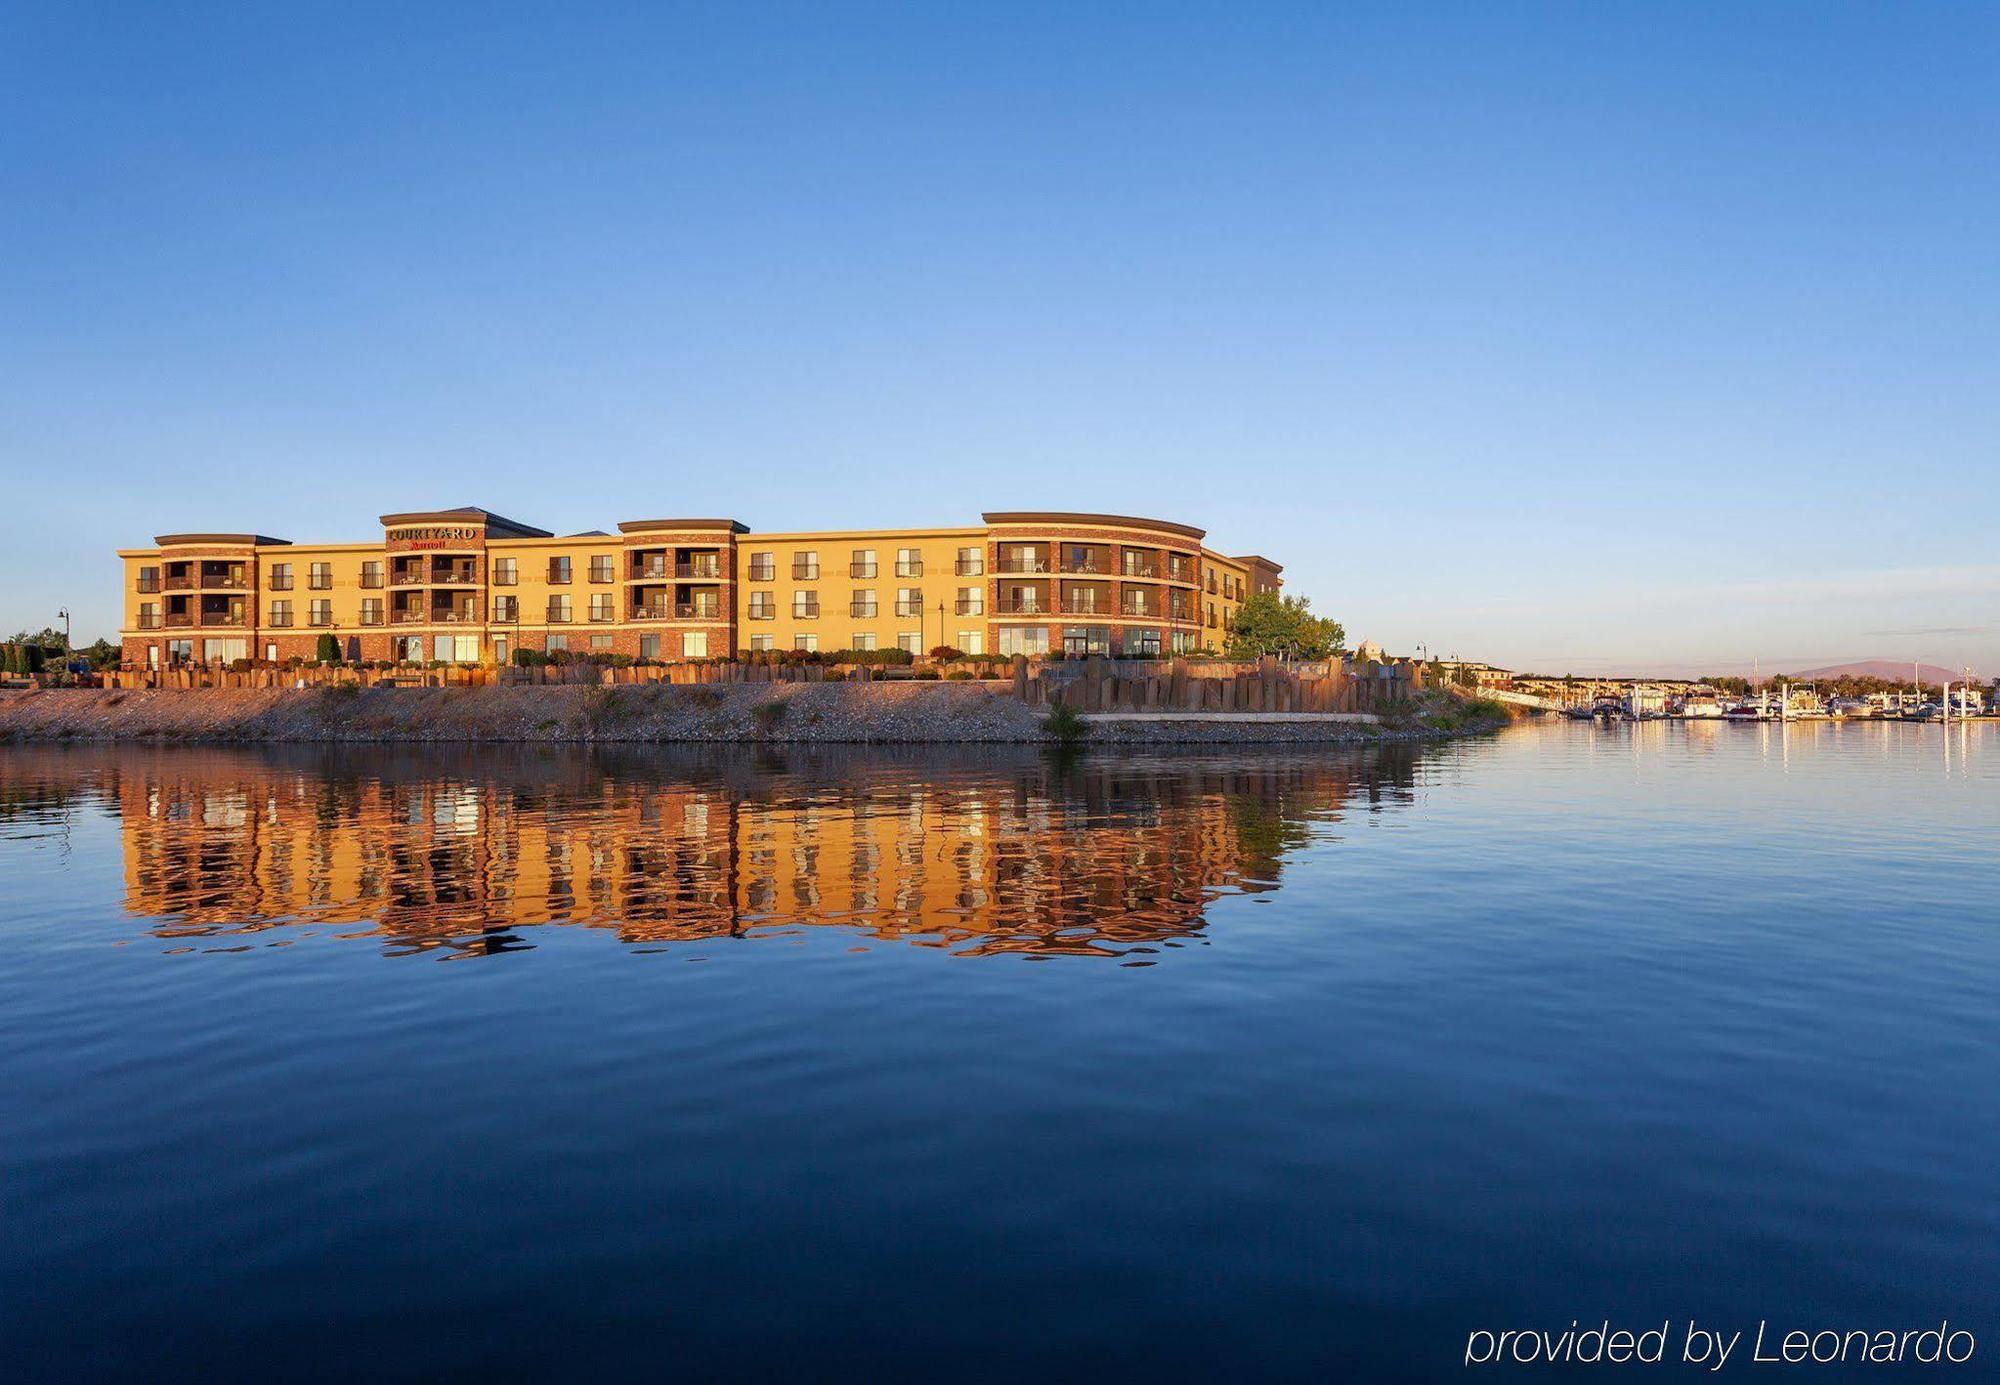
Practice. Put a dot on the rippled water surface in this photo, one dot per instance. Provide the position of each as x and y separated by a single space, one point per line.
412 1064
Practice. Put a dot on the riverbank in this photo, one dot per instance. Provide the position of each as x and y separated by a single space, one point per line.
862 714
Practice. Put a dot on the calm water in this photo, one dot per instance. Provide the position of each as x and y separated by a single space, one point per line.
839 1064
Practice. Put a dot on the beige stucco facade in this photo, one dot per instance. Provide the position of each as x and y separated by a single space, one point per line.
469 586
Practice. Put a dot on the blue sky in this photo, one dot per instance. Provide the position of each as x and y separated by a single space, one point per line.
1580 336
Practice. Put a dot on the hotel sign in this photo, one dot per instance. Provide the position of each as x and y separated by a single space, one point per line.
437 536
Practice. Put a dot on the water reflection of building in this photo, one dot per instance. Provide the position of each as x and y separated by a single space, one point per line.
1003 853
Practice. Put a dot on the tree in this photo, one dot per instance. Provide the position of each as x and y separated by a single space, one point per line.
328 650
1267 623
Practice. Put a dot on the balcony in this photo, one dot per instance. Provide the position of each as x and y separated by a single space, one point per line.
371 617
910 608
179 583
970 567
697 610
1024 606
703 570
654 611
600 615
280 620
966 607
224 620
763 572
603 574
1140 608
1086 563
408 617
320 620
320 582
555 616
458 577
1148 572
1086 605
179 620
371 581
863 610
148 584
861 569
455 617
148 620
652 571
281 581
224 581
407 577
805 572
913 567
1020 563
757 612
807 611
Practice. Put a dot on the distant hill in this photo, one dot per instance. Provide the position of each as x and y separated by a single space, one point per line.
1887 669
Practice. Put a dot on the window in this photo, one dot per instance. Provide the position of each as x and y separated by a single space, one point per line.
601 608
805 642
320 577
862 607
649 646
763 606
1086 639
805 605
601 643
1141 644
910 641
762 642
1030 640
270 654
225 651
909 562
321 612
909 601
500 649
862 564
180 651
861 639
559 610
1021 557
694 644
1184 642
971 602
600 567
281 613
506 572
506 610
149 579
281 577
971 562
763 567
972 641
557 642
805 567
371 573
149 615
559 572
371 610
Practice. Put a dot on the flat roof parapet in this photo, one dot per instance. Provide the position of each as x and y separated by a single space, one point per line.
642 526
498 526
182 540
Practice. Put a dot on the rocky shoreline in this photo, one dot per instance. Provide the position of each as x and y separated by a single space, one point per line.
883 713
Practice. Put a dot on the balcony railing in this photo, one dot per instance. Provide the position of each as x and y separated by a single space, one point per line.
707 571
763 572
757 612
1023 606
407 577
371 581
1019 564
863 610
861 569
148 584
320 619
181 583
805 572
909 608
224 581
369 617
280 620
179 620
912 567
966 607
970 567
643 572
603 573
554 616
656 611
406 617
1139 608
1085 563
805 611
458 577
1085 606
1148 571
320 581
281 581
223 619
149 620
696 610
600 616
455 617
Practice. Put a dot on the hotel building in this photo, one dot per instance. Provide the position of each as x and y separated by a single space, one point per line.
468 586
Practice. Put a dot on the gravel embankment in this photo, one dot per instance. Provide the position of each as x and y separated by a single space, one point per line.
876 712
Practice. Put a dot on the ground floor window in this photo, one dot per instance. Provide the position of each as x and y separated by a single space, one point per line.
409 649
694 644
972 641
225 650
807 642
1142 644
1185 642
455 649
500 649
649 646
152 656
600 643
558 642
1029 639
270 654
762 642
1086 639
911 641
180 651
862 640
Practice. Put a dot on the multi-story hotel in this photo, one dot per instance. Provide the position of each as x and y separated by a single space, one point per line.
467 586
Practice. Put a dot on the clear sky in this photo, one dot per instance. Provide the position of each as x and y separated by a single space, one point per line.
1574 337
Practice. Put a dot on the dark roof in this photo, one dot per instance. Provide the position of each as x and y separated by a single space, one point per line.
1067 517
636 526
1248 558
175 540
498 526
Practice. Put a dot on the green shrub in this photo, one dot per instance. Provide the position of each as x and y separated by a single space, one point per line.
961 675
771 715
1065 724
327 649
